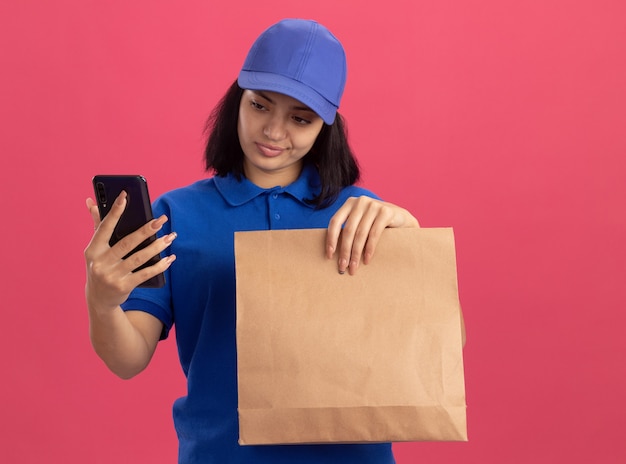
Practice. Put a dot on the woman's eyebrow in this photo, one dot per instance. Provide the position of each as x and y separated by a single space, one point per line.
299 108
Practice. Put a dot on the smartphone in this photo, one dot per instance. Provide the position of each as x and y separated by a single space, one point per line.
137 213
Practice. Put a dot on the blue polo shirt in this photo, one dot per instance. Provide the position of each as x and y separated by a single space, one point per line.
199 297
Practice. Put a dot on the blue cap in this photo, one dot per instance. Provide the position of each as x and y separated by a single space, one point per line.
299 58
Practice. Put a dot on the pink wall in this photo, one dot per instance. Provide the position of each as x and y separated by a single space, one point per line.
503 119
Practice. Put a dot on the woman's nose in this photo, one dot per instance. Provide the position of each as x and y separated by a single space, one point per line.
275 129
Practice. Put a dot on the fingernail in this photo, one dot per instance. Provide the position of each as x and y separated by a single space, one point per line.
171 237
121 199
158 223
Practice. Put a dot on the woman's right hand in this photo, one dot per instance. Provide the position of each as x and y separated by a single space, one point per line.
110 279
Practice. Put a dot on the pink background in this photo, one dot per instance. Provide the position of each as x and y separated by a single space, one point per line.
503 119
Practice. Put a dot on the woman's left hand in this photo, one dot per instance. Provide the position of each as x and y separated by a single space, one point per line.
363 220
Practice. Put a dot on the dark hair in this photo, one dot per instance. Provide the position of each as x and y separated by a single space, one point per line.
331 154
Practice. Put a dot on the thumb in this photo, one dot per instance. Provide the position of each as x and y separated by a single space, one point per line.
93 210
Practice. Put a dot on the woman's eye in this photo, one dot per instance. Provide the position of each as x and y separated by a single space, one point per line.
256 105
301 121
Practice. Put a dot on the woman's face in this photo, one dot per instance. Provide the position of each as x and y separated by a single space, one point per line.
275 132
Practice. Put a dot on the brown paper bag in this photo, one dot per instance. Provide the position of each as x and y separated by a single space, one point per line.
324 357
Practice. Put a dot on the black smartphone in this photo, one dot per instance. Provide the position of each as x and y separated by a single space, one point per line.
137 213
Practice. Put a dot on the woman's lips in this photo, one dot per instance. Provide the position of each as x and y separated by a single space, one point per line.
269 150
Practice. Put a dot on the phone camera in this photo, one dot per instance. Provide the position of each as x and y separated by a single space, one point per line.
102 196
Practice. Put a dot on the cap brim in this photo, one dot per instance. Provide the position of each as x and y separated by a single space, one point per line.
251 80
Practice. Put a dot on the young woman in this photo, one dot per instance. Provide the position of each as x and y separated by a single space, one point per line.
281 160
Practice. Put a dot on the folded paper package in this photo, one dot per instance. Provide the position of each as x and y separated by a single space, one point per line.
371 357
